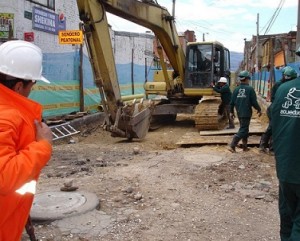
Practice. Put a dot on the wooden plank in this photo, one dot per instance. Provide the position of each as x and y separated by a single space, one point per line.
256 128
193 138
253 129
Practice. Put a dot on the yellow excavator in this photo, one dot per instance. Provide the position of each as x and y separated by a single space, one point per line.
186 90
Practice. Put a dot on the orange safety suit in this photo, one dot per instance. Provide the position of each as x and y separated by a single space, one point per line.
21 160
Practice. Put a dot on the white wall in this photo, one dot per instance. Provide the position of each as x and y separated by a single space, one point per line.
46 41
141 44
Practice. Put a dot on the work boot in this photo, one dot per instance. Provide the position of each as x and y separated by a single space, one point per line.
234 143
263 143
271 145
231 124
271 150
245 142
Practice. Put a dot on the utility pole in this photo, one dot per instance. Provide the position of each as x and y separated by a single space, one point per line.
173 9
257 44
203 37
246 54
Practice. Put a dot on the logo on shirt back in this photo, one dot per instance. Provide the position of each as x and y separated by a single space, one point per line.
292 104
241 93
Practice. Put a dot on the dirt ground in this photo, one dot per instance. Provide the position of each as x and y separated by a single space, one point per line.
155 190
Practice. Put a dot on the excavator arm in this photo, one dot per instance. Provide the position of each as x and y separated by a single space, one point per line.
122 120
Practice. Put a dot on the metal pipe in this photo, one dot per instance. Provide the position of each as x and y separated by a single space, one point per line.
132 97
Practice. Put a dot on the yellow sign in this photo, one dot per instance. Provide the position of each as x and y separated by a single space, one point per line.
70 37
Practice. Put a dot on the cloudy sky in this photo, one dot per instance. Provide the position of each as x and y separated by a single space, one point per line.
228 21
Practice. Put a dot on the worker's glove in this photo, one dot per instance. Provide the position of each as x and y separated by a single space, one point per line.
259 113
232 116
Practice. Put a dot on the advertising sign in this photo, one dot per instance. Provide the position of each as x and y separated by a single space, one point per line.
47 21
70 37
6 25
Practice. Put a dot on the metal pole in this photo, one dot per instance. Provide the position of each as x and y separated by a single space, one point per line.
146 80
81 91
173 9
272 71
132 78
298 34
257 44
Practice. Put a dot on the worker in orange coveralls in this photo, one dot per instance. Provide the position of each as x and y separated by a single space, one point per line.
25 142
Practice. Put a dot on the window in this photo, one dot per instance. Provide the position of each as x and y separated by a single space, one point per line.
44 3
51 4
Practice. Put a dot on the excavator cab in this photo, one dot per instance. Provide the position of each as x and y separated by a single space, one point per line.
206 62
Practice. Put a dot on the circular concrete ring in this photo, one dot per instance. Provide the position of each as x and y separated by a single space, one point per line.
50 206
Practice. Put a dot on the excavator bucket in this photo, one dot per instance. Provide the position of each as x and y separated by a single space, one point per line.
132 121
140 123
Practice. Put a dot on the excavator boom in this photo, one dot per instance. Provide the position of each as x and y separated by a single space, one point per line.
122 120
155 18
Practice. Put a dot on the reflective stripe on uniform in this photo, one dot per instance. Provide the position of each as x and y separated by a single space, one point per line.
29 187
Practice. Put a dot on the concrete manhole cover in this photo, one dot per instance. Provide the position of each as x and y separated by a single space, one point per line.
49 206
203 159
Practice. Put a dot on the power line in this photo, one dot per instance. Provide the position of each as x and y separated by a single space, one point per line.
273 18
209 29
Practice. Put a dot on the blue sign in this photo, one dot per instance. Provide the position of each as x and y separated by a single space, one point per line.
47 21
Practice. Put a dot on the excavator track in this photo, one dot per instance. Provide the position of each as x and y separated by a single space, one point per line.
206 114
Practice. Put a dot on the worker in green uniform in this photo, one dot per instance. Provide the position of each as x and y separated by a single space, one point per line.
243 99
223 88
266 138
285 113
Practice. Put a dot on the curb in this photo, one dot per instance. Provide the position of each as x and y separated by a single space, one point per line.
87 119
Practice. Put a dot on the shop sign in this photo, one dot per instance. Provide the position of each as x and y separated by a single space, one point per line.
47 21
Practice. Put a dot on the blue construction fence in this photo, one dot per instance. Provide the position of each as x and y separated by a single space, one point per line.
261 82
62 95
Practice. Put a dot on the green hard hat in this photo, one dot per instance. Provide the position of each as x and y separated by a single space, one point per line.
244 75
290 73
284 68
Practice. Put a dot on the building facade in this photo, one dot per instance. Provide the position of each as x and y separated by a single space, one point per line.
39 22
274 52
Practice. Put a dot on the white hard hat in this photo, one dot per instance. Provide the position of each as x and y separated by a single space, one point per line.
222 80
22 60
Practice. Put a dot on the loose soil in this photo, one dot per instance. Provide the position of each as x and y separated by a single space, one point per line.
155 190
